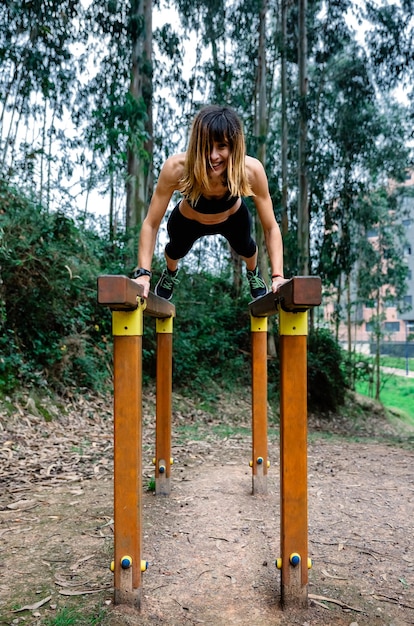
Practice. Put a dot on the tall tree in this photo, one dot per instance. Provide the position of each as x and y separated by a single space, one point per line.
391 42
284 117
139 153
37 79
261 122
382 268
303 202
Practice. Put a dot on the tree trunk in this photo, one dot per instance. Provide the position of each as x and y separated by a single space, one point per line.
303 204
261 128
140 90
261 131
237 272
348 314
148 100
378 350
284 123
50 158
112 220
338 308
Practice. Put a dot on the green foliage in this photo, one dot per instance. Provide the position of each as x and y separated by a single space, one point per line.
212 351
55 337
326 379
396 394
211 336
75 617
151 484
52 332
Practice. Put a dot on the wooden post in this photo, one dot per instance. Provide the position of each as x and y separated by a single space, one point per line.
124 297
259 460
127 333
293 300
293 459
163 458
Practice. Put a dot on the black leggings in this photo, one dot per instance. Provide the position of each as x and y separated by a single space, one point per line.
184 232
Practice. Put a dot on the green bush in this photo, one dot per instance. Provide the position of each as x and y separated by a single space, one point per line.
326 379
211 342
53 333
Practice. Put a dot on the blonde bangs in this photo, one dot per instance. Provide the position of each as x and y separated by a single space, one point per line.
203 133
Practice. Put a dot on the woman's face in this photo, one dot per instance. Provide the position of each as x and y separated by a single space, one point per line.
218 158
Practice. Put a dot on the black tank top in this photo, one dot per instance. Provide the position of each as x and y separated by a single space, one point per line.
215 205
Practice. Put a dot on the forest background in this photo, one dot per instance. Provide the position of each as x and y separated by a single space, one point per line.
95 97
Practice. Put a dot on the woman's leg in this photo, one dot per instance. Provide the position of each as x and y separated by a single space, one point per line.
183 233
251 262
238 232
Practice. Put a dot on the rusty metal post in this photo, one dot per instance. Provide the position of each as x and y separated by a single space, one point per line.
293 459
163 460
259 460
127 328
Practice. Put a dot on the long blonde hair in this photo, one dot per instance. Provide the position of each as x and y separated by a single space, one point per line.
214 123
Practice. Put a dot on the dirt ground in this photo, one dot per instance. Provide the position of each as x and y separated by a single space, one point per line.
211 545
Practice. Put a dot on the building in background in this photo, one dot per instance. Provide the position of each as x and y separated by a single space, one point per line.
398 328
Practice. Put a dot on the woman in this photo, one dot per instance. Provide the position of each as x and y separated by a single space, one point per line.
213 175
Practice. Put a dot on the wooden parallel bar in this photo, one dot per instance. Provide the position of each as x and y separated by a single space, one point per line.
298 294
120 293
293 464
163 407
259 405
127 467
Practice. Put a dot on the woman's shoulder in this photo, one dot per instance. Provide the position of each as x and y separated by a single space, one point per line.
256 175
173 168
253 165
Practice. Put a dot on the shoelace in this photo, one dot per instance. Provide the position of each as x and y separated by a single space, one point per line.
168 281
256 281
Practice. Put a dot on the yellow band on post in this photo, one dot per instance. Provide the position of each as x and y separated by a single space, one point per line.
293 323
129 323
164 325
258 324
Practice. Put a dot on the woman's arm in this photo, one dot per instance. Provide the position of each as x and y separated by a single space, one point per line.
168 181
263 202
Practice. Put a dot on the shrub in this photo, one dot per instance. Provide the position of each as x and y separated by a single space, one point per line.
53 333
326 379
211 336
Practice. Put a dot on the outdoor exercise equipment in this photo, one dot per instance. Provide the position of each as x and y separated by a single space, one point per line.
292 302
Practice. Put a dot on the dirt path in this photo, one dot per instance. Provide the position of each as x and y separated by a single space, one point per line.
211 545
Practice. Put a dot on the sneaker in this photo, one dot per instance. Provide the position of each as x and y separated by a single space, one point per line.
257 284
165 286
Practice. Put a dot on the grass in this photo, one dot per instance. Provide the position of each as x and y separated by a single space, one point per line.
397 393
67 616
202 431
76 617
398 363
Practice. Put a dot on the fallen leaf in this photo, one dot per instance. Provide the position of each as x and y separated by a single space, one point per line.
328 575
80 592
33 607
82 560
338 602
22 505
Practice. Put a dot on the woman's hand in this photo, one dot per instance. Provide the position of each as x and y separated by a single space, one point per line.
144 281
277 282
